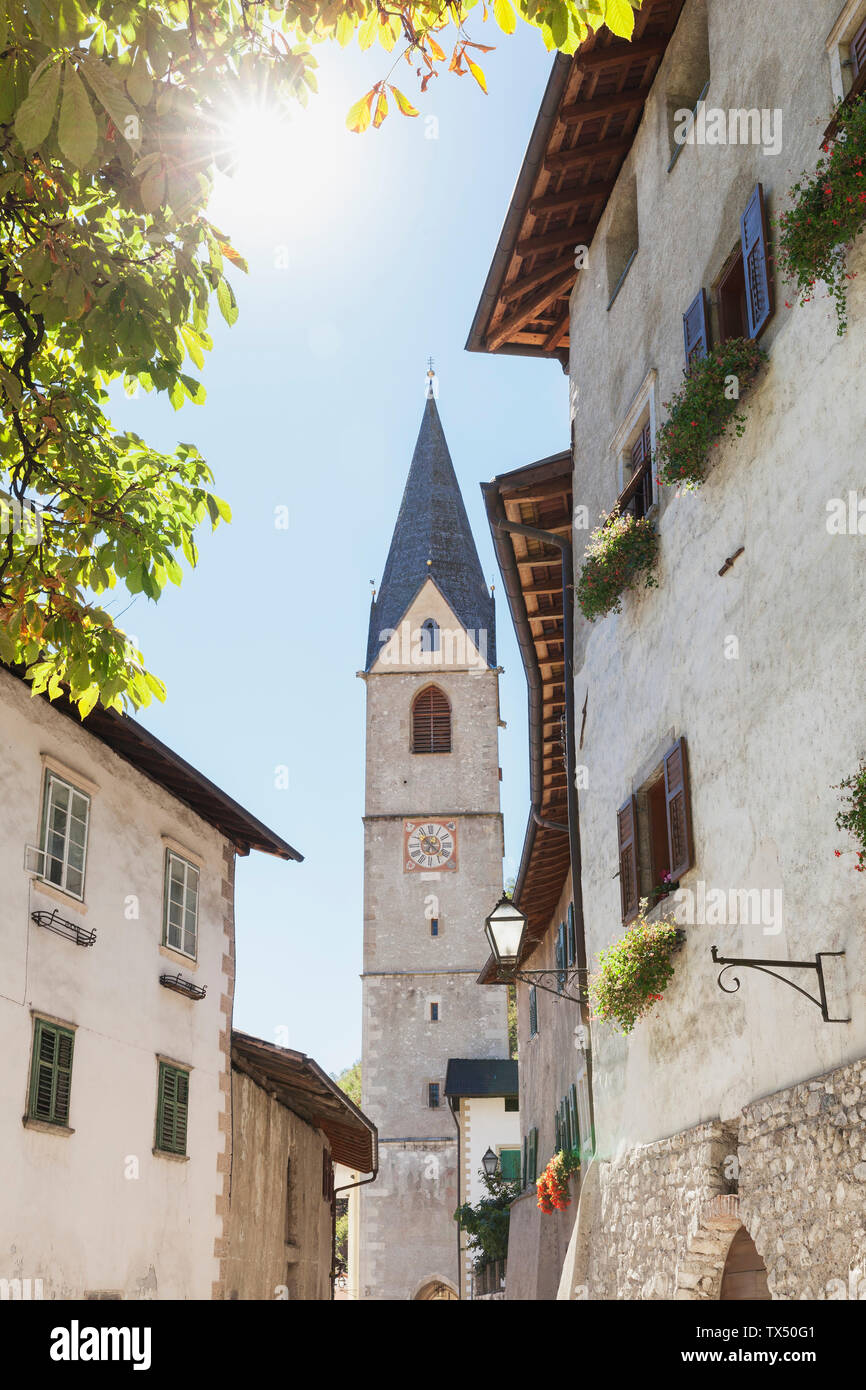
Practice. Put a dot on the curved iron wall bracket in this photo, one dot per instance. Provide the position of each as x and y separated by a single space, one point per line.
820 1002
561 981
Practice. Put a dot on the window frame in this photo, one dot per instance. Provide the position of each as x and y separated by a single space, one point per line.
50 777
643 410
42 1026
838 45
194 868
430 752
431 1087
181 1106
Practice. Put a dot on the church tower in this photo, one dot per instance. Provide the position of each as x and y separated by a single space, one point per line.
433 847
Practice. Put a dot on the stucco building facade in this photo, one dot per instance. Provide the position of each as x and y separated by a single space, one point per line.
729 1127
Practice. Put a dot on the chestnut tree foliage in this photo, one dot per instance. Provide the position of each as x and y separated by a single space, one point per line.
113 118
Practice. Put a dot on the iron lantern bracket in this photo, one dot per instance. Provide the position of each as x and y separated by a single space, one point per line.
560 981
820 1001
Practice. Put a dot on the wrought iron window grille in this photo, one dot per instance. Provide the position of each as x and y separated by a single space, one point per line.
181 986
82 936
820 1001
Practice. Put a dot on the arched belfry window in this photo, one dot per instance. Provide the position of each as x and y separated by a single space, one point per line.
431 721
430 636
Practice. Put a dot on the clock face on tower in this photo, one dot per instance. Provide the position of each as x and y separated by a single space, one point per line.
429 845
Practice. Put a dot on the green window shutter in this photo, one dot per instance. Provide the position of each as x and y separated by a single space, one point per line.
566 1124
533 1011
572 939
557 1135
172 1109
51 1073
572 1110
560 955
509 1164
533 1155
525 1162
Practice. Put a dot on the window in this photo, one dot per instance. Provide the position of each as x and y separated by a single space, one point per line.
509 1165
654 832
632 449
621 242
434 926
532 1156
512 1105
433 1095
172 1109
290 1225
744 288
180 924
688 74
571 943
50 1073
560 957
846 50
431 722
430 636
65 818
533 1011
434 1011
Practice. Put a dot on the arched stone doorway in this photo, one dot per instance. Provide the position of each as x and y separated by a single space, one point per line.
435 1289
744 1276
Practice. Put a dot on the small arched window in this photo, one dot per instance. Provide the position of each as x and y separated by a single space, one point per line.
430 636
431 722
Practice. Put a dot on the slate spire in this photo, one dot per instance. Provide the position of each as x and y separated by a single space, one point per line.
432 539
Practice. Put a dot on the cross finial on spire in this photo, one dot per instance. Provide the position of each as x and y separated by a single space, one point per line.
431 377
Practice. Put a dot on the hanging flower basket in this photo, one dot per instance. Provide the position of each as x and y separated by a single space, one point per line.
703 409
553 1193
828 212
618 553
853 817
634 972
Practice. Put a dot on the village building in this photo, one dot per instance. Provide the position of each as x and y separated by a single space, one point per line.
292 1127
716 714
432 872
117 863
484 1099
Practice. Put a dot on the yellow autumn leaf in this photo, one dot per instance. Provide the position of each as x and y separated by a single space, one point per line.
504 16
367 31
358 118
403 102
477 73
438 53
381 110
619 18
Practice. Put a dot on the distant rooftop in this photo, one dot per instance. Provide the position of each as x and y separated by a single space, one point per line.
481 1076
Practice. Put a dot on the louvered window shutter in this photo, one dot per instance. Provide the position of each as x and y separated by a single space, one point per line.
557 1136
628 877
695 335
858 51
575 1126
560 956
533 1155
572 939
172 1109
525 1161
51 1073
640 450
678 809
759 284
533 1011
431 722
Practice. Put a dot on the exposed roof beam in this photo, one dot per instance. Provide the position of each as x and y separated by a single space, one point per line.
554 338
524 283
530 309
582 232
586 154
615 52
568 197
602 106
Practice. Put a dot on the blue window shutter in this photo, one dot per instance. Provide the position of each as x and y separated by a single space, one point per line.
695 335
756 265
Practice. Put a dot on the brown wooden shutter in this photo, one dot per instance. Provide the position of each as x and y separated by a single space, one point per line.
678 809
626 820
431 722
858 51
695 335
640 450
759 283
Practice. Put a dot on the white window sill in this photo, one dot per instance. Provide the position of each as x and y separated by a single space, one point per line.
171 953
173 1158
51 890
30 1122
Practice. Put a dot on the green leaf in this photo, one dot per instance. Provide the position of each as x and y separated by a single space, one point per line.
227 302
155 685
619 18
193 389
152 187
88 700
76 132
139 82
36 113
112 98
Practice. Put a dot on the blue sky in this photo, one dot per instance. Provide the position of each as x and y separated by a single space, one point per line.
367 254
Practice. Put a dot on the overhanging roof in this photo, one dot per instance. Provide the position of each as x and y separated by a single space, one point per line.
589 115
538 495
481 1076
300 1084
133 742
